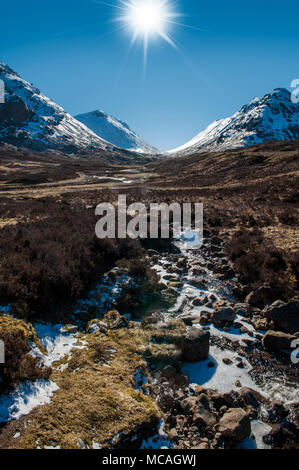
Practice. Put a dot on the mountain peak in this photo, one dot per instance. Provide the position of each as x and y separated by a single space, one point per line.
115 131
271 118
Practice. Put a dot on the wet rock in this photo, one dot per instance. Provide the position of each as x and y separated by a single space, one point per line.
284 315
277 412
283 435
195 345
276 340
199 283
235 425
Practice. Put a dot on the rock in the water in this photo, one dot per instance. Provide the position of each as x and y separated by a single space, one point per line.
277 412
195 345
235 425
222 314
284 315
252 397
275 340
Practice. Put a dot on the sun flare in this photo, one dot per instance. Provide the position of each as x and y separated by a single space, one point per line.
146 19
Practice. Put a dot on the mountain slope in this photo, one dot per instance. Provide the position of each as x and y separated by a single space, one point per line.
115 131
271 118
29 119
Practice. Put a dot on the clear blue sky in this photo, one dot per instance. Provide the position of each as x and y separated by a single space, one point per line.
68 49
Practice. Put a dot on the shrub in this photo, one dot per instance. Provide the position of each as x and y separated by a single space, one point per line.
19 365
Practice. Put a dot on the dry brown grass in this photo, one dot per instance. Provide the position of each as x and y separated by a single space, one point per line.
94 403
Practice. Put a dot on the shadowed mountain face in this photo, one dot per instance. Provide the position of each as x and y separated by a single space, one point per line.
115 131
271 118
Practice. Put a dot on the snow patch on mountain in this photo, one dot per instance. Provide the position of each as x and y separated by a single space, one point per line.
115 131
271 118
29 119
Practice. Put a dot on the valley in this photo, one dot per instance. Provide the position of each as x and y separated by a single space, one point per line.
147 344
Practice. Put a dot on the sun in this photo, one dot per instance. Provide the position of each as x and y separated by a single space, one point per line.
146 20
147 17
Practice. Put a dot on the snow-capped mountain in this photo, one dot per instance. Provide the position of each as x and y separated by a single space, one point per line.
271 118
29 119
115 131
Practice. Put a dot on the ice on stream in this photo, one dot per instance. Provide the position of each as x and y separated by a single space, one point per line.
221 377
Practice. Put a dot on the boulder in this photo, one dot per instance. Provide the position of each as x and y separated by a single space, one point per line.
252 397
223 314
260 297
195 345
284 315
277 412
276 340
235 425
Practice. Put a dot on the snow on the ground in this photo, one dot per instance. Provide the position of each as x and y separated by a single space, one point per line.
105 294
57 341
221 377
159 440
140 379
24 398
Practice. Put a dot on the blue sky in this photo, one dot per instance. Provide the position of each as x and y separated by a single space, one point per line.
71 51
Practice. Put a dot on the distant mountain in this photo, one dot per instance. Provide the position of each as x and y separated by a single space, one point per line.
115 131
31 120
271 118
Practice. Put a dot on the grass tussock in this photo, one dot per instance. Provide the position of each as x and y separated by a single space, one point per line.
96 400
